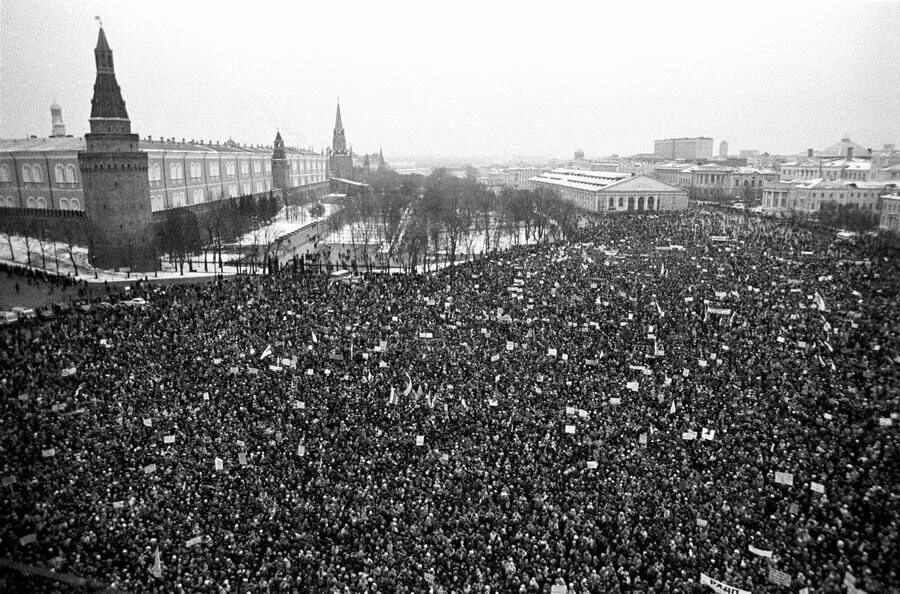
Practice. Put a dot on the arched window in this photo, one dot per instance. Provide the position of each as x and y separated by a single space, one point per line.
10 202
621 201
640 203
257 167
229 167
244 168
71 175
59 172
64 204
30 202
246 189
198 196
611 203
232 189
649 202
74 204
173 171
26 173
37 174
631 203
214 169
41 202
4 173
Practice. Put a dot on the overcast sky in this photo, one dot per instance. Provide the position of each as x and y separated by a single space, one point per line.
459 79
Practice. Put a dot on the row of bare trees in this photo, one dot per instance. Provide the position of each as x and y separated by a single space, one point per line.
415 222
46 237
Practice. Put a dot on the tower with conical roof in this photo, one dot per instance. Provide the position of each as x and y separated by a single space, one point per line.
114 177
341 161
280 170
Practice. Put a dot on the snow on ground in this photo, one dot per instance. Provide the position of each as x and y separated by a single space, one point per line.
57 257
289 219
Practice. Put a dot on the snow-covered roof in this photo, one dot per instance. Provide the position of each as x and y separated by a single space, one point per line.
580 179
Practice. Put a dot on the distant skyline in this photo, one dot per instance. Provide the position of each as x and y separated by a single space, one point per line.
480 81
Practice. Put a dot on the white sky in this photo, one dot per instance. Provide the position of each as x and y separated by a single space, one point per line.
466 79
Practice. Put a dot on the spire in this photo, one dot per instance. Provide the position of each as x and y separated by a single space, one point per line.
339 139
107 103
278 149
338 124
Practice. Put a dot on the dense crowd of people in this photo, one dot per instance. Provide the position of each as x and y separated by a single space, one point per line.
656 399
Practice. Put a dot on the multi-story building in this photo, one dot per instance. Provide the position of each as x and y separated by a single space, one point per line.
713 181
517 178
807 197
723 149
691 149
44 172
890 213
853 164
607 192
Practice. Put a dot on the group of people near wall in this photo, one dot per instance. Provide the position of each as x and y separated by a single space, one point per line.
683 403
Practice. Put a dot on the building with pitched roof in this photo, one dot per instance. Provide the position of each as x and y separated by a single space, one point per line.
611 192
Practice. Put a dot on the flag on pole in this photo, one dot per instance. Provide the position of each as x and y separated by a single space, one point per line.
314 338
156 570
672 408
266 353
393 397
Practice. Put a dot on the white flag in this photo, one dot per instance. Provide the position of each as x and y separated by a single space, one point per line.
156 570
219 465
266 353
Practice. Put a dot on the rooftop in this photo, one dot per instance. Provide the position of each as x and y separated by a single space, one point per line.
580 179
76 143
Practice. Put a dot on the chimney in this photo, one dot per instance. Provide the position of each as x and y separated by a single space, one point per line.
809 153
849 152
160 138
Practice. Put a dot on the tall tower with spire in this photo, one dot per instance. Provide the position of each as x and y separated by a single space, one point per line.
280 171
114 177
59 128
341 161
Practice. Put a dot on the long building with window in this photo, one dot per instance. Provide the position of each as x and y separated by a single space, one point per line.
808 197
610 192
44 172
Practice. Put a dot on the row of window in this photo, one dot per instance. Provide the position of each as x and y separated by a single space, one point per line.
198 195
30 174
41 202
611 203
65 175
176 170
68 174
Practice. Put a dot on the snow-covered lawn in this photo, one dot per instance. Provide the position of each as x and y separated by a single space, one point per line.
289 219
